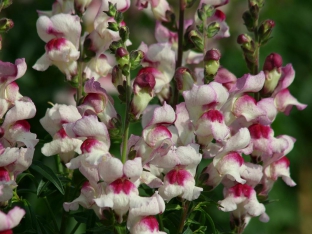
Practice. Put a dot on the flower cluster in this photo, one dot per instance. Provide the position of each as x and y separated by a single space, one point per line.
17 143
223 118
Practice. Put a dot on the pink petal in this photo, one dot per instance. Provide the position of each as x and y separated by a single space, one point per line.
12 219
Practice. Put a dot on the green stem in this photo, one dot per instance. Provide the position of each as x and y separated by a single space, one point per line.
65 214
80 81
59 164
126 121
175 95
255 69
75 228
185 205
51 213
161 223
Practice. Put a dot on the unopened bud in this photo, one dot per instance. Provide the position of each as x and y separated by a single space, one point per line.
136 57
189 3
212 64
114 46
117 78
258 3
5 3
113 26
112 9
5 25
143 87
213 54
0 42
246 43
124 33
116 131
119 17
272 61
213 29
197 40
205 12
249 21
184 78
122 56
272 68
265 31
243 39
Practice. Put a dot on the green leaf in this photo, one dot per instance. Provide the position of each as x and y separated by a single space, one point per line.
30 219
171 207
45 226
22 175
47 173
208 217
44 188
201 229
188 231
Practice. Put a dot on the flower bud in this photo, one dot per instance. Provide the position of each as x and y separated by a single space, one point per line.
258 3
273 61
112 9
113 26
196 39
213 29
114 46
5 4
184 78
249 21
205 12
118 17
117 78
272 68
0 42
212 64
213 54
189 3
124 33
116 131
136 57
265 31
246 43
143 87
5 25
243 39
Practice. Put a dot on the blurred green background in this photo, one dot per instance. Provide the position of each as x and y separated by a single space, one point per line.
292 39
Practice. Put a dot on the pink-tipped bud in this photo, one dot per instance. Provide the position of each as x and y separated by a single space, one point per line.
184 78
122 56
121 52
143 88
213 54
272 68
144 81
6 25
272 61
243 39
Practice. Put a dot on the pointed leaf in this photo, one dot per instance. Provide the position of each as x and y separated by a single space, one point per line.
47 173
